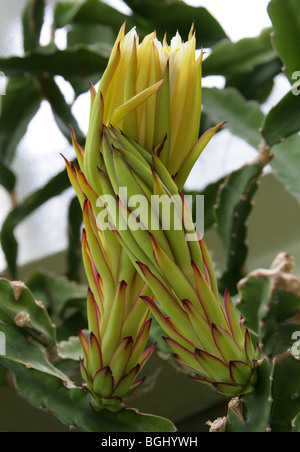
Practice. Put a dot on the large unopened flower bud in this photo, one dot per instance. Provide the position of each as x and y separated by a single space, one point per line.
205 336
115 349
151 92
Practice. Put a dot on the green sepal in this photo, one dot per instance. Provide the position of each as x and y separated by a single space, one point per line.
211 306
214 368
103 382
123 388
78 149
96 250
233 320
167 300
111 328
186 355
201 327
95 361
93 314
239 371
85 347
120 358
173 275
226 345
139 346
92 156
167 325
92 276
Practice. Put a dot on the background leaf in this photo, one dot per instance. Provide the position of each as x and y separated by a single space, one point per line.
244 118
270 305
21 92
54 187
65 301
254 293
285 17
71 406
16 299
74 258
286 164
165 14
258 82
82 61
231 213
7 177
23 350
61 109
283 120
273 313
32 21
286 400
228 58
90 12
210 194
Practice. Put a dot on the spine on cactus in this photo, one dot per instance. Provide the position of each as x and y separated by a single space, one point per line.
152 93
206 336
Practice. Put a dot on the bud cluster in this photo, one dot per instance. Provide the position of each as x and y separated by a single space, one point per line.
143 139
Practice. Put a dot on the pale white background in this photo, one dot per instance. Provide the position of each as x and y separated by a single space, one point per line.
38 155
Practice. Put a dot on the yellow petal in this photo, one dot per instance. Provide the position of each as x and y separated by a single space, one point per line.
144 58
150 104
115 93
185 136
162 126
126 109
109 71
119 39
130 125
185 60
194 154
143 71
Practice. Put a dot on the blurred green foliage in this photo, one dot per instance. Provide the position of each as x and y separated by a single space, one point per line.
249 68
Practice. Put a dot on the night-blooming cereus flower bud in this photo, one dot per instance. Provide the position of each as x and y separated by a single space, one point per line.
206 336
151 92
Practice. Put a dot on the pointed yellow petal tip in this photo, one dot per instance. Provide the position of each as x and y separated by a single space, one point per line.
192 31
200 57
122 31
92 89
165 40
